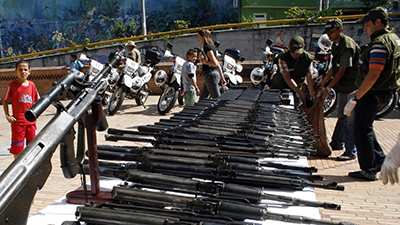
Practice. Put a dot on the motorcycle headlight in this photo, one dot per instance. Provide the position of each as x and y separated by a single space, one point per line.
160 78
256 76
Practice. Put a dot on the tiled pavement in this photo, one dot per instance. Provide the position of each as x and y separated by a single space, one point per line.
362 202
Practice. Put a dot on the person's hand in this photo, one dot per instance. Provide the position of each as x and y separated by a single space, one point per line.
223 82
197 91
324 92
389 171
303 98
321 83
11 119
181 92
349 107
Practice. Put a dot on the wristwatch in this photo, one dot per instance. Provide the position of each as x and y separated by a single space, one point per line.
354 98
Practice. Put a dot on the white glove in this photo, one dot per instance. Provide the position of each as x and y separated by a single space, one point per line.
349 107
390 165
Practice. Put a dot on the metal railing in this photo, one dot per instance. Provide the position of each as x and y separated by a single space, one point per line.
175 32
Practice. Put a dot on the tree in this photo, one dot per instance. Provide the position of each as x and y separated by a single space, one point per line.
373 3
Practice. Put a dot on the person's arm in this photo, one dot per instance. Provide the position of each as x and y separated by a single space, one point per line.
195 85
336 79
212 61
289 81
9 118
310 81
293 85
378 58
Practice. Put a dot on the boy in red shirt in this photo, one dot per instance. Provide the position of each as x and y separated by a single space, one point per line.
22 93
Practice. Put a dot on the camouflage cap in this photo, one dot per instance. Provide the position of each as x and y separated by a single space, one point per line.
375 13
332 24
296 45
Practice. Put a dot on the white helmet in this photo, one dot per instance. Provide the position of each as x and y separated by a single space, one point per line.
256 76
324 43
160 78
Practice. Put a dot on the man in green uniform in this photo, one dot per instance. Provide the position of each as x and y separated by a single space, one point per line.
346 54
294 66
376 80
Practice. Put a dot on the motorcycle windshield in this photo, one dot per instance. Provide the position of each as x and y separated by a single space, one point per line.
229 63
130 67
95 67
179 61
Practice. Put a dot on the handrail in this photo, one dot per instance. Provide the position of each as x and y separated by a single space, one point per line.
189 30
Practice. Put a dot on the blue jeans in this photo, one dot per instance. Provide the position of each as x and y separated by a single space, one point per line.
343 135
370 153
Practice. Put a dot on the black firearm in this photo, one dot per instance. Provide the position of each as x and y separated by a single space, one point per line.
221 161
230 175
238 143
29 172
116 214
209 206
201 187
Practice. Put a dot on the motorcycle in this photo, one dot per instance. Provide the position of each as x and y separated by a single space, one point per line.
170 82
231 67
133 82
93 71
263 76
82 79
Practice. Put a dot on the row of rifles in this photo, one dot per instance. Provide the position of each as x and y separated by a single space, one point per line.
210 164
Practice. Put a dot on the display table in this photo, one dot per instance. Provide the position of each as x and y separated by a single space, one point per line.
60 211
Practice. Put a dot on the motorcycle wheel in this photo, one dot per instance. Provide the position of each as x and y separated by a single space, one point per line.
389 107
116 100
330 103
141 98
106 98
167 100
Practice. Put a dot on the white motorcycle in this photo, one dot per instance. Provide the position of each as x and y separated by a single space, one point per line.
133 82
232 68
263 76
170 83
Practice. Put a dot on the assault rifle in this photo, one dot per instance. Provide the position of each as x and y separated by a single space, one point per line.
116 214
30 170
220 161
158 181
209 206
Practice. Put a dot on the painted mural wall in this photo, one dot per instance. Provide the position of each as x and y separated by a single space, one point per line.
28 26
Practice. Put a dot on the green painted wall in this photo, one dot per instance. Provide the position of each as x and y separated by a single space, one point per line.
273 7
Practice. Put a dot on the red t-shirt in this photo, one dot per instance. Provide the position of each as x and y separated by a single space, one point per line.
22 98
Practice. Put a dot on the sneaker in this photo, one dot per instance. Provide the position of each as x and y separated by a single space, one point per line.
345 157
363 175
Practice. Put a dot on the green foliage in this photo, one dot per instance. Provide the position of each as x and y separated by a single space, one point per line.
245 19
118 30
181 24
374 3
310 15
131 28
121 30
